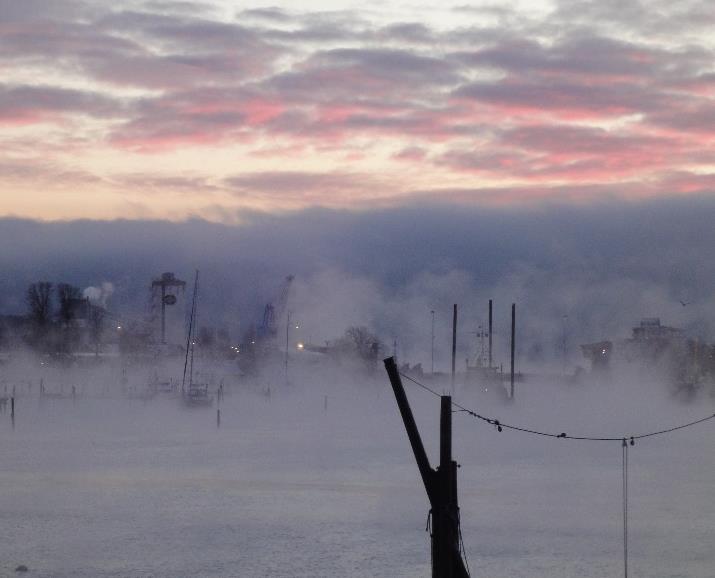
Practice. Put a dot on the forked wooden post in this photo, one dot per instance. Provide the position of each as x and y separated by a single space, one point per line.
440 484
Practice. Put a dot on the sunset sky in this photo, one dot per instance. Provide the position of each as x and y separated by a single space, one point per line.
174 110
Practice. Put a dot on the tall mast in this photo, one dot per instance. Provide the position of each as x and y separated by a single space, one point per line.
189 340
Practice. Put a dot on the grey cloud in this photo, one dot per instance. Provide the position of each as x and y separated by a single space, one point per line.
147 184
292 186
373 76
44 172
412 32
269 14
205 114
13 11
561 94
177 71
596 263
482 160
580 54
174 6
183 32
66 43
18 101
142 48
399 64
699 118
584 140
639 18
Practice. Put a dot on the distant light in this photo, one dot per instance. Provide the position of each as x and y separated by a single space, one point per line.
119 327
300 346
253 342
603 352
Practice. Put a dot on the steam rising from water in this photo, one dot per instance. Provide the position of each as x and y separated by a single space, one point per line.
106 486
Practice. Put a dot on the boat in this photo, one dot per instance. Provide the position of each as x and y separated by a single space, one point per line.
162 386
194 392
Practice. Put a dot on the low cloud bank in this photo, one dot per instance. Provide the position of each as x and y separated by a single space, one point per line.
576 273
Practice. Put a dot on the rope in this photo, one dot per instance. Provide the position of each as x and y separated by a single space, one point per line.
501 425
624 462
428 528
463 550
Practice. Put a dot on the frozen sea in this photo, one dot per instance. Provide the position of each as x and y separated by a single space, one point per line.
125 488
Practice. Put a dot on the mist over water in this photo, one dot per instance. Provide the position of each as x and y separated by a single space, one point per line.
106 486
318 478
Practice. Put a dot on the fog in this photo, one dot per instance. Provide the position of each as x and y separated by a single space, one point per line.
308 471
318 479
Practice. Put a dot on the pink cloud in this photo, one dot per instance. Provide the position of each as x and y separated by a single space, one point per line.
356 90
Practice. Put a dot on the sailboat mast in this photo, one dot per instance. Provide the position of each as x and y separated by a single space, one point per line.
196 321
189 340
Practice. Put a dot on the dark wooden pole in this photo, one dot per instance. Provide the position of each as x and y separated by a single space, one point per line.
445 510
513 345
413 433
454 342
445 432
440 484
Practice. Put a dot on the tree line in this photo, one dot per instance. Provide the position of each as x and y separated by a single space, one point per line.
52 321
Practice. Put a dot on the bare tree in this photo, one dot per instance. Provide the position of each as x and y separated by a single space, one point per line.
67 295
96 325
360 338
39 302
360 341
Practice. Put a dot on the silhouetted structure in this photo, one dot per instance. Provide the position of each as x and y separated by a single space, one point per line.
513 347
454 343
164 287
440 483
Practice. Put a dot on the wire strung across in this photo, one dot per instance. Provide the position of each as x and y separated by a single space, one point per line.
625 442
500 425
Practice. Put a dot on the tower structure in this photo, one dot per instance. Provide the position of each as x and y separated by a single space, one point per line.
165 292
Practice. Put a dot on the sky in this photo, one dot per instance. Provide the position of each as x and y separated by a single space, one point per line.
397 157
218 110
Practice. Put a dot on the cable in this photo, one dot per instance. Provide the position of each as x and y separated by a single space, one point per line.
422 385
624 462
500 425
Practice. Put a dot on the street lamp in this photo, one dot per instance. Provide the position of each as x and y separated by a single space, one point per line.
296 325
287 344
432 312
